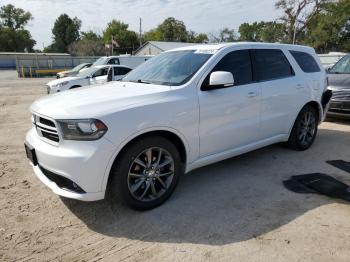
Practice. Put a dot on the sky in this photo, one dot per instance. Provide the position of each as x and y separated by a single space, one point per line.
198 15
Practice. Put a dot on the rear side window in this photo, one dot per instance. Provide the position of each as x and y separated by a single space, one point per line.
239 64
306 62
113 61
271 64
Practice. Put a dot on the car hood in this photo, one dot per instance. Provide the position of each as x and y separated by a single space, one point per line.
93 102
339 81
61 80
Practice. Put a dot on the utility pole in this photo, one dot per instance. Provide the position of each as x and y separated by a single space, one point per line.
140 31
295 31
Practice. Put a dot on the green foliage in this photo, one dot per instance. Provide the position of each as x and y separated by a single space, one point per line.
14 18
13 36
174 31
90 44
65 31
225 35
262 32
330 30
126 39
192 37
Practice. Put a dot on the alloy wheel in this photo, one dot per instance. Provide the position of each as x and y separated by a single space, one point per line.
150 174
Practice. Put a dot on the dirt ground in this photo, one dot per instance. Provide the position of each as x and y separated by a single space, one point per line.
235 210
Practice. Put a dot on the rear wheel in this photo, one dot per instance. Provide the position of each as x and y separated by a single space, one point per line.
146 174
305 129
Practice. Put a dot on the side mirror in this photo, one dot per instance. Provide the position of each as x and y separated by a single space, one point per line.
219 79
328 69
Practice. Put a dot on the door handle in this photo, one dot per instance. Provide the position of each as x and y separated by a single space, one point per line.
300 86
252 94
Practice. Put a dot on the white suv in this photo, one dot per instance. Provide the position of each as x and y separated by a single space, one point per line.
181 110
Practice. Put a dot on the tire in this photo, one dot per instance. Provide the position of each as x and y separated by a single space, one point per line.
132 175
304 130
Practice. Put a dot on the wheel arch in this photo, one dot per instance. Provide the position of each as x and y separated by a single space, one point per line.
316 106
172 135
75 86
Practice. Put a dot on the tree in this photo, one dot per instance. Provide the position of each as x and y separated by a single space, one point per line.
13 36
225 35
14 18
297 15
90 44
330 29
126 39
170 30
193 37
65 31
262 32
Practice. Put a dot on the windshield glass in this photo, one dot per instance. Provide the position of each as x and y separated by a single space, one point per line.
342 67
170 68
88 72
100 61
78 67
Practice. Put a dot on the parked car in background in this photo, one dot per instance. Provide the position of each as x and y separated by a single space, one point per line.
328 60
132 139
339 83
73 71
126 60
92 76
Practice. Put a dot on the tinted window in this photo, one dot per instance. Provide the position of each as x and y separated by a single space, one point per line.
306 62
113 61
239 64
123 70
271 64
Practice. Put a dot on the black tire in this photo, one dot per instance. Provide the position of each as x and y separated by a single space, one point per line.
296 139
120 183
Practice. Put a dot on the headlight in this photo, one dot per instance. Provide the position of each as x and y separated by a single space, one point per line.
82 129
61 84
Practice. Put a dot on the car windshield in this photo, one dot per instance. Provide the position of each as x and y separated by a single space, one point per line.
100 61
342 67
88 72
78 67
169 68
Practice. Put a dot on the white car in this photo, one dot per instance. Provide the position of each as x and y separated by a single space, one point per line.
183 109
95 75
74 71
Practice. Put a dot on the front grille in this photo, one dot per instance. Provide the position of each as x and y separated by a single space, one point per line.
46 128
341 95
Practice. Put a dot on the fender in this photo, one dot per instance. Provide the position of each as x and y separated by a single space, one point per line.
132 137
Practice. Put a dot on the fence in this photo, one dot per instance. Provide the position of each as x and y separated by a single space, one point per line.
48 64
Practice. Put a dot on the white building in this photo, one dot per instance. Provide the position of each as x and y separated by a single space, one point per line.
157 47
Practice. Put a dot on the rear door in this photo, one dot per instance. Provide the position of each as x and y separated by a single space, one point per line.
281 91
229 117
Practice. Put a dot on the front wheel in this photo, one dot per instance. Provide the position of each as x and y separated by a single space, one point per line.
146 174
304 130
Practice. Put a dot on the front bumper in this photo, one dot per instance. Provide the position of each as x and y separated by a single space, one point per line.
82 162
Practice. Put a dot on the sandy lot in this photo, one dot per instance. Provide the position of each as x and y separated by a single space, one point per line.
235 210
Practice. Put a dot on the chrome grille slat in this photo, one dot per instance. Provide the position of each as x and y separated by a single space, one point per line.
342 95
46 128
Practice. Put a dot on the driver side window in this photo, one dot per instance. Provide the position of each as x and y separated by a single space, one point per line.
101 72
239 64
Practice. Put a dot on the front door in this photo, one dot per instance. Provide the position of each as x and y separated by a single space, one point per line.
229 117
